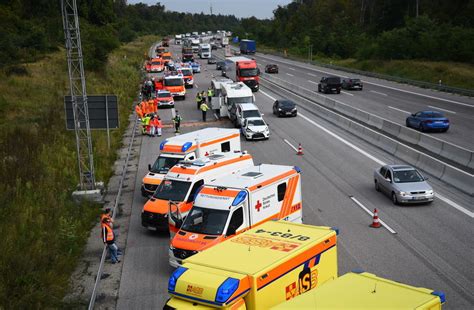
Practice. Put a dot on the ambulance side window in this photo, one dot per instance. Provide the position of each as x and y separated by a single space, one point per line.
194 189
281 189
225 147
236 221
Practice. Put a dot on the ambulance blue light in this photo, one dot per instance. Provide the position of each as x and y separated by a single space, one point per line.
227 288
298 169
162 144
174 278
186 146
441 296
241 196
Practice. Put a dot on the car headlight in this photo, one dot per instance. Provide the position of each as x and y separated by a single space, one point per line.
266 129
404 193
430 192
248 130
279 109
294 109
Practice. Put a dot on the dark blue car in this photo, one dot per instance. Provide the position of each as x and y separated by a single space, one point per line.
428 121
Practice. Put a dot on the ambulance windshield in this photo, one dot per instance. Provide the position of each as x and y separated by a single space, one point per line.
163 164
172 190
205 221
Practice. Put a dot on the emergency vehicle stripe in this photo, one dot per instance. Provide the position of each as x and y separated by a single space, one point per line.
296 262
273 180
224 163
220 193
183 170
219 140
289 196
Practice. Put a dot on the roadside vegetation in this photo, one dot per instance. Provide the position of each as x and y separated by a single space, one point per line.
434 42
43 231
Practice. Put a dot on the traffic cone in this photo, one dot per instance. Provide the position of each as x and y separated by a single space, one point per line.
375 221
300 150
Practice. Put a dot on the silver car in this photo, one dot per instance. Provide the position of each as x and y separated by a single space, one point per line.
404 184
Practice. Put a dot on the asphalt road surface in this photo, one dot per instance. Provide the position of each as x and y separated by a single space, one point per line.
432 246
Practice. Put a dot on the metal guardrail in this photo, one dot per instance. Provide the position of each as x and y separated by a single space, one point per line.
117 200
422 84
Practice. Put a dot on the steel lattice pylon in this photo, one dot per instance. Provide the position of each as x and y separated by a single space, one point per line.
77 84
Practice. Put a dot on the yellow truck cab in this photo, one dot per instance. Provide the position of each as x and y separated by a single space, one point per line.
257 269
362 290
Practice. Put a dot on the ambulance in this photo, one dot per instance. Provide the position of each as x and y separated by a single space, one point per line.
178 188
188 77
257 269
230 205
362 290
189 146
174 83
157 65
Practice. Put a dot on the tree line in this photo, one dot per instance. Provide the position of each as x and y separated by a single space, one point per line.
31 28
435 30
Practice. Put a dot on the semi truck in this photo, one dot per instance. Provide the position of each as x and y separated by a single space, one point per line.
187 55
257 269
243 69
362 290
248 46
230 205
177 190
188 146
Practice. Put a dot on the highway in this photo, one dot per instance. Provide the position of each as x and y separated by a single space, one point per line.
432 245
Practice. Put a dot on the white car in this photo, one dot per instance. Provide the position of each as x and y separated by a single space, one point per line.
254 128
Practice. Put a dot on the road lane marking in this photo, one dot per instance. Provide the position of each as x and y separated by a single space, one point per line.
289 74
380 85
291 145
346 93
375 159
379 93
357 202
313 82
449 111
310 74
399 110
289 68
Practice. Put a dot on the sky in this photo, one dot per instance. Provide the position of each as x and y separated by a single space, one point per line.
239 8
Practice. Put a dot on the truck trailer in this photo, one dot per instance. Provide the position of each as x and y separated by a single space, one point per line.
248 46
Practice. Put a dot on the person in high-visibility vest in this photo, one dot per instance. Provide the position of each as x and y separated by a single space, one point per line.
138 110
204 107
146 124
210 94
198 99
108 237
177 122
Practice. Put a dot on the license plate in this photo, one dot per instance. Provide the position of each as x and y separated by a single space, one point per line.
152 228
288 113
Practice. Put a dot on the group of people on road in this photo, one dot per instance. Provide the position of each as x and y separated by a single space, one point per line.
203 101
147 112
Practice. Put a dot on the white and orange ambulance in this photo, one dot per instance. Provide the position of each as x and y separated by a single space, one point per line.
258 269
189 146
178 188
232 204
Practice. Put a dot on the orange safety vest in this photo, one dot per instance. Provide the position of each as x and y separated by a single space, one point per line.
158 123
138 110
107 234
152 106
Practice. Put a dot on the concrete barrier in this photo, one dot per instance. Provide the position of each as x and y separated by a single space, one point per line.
408 154
375 121
431 144
362 116
391 128
409 135
371 136
433 167
387 144
471 162
457 154
459 179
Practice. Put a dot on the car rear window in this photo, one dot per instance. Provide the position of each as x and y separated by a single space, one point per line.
433 114
251 113
334 80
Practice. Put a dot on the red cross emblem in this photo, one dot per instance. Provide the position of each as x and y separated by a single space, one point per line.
258 206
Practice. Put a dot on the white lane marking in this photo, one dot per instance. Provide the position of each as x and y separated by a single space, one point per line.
267 95
346 93
263 60
378 161
289 74
399 110
379 93
291 145
372 214
313 82
380 85
310 74
455 205
449 111
422 95
291 69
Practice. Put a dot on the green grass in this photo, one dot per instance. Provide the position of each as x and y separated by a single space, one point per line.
42 231
452 74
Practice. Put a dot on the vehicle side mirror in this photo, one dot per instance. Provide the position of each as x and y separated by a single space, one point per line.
258 71
262 114
149 167
413 114
388 180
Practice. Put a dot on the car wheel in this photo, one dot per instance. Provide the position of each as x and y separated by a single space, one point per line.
394 199
296 114
338 91
421 127
319 89
407 123
377 187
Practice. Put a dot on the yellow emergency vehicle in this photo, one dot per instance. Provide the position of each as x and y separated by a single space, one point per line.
366 291
257 269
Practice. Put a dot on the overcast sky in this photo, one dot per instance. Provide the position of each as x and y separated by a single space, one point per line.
239 8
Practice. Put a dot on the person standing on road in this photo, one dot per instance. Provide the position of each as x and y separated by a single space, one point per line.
159 125
198 99
108 237
138 111
210 94
177 121
204 107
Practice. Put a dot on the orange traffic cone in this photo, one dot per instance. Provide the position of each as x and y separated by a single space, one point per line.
375 221
300 150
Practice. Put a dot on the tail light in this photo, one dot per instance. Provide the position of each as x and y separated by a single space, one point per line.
428 122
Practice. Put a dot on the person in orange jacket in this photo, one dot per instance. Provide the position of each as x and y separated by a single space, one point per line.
144 107
157 125
153 106
138 110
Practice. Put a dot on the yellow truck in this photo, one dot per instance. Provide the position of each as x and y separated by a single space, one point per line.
256 269
362 290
